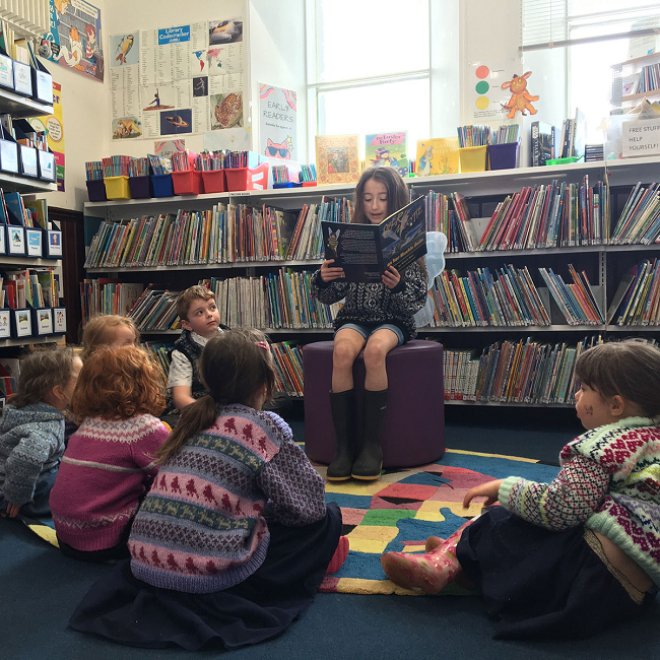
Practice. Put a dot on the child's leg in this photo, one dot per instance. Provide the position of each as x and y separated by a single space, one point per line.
431 571
40 505
368 464
348 344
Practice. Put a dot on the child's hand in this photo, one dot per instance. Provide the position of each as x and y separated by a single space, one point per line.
391 277
12 510
328 274
490 490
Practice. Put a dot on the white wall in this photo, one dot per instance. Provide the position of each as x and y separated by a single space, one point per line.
86 116
445 71
277 57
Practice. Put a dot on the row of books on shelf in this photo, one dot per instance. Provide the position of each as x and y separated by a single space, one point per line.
545 216
223 234
516 372
31 287
503 297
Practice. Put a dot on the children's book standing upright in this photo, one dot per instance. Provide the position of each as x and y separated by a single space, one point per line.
437 156
388 150
337 159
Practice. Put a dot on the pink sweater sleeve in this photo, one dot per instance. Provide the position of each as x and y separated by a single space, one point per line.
151 434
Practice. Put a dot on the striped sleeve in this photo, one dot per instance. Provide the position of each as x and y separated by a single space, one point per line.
568 501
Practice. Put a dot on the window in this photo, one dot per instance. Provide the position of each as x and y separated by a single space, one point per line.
369 67
595 34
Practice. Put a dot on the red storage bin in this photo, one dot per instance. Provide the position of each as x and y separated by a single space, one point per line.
247 178
214 181
187 182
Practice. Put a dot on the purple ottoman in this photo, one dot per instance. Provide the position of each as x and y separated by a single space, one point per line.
414 431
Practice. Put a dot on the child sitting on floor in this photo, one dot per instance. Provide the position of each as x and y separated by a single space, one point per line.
201 321
109 330
575 556
109 463
32 431
234 538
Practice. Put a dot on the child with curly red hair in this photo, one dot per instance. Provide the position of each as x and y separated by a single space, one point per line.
109 464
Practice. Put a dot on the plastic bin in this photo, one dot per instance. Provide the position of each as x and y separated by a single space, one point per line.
140 186
308 184
162 185
288 184
214 181
473 159
116 187
187 182
247 178
503 156
96 191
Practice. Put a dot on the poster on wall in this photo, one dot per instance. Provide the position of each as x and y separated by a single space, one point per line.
180 80
54 126
167 148
74 39
486 98
278 123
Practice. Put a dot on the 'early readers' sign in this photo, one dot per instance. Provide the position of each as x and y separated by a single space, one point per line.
641 138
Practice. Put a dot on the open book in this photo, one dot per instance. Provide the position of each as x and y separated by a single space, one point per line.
365 251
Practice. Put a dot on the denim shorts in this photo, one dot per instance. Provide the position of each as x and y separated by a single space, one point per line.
366 331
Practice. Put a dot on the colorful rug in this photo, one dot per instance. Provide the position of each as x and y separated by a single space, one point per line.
402 509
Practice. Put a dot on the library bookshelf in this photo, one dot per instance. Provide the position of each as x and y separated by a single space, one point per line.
21 107
604 265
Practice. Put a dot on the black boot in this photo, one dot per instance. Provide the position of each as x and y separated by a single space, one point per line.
369 462
342 405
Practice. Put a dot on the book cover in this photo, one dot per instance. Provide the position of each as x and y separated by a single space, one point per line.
337 159
388 150
437 156
365 251
542 143
40 206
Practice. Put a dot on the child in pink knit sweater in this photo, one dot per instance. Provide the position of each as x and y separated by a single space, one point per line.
109 463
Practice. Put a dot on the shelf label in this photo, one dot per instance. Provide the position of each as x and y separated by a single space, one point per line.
641 138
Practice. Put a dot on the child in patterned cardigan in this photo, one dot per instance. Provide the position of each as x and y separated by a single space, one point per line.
110 461
572 557
374 317
234 538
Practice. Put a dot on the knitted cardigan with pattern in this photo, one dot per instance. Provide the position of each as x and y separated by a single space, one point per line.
200 528
610 482
107 467
375 304
31 445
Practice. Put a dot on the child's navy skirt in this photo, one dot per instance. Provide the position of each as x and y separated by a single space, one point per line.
540 583
124 609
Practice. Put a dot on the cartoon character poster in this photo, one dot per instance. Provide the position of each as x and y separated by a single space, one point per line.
388 150
278 122
74 39
54 125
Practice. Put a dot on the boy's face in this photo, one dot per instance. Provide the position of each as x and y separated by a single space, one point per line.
203 318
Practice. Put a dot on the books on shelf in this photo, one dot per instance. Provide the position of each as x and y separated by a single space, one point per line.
481 299
542 143
556 215
108 296
637 300
640 219
33 288
337 159
577 301
450 215
287 358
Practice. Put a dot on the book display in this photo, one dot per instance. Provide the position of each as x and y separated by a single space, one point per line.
537 270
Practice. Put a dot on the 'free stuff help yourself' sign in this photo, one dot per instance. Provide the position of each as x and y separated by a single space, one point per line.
640 138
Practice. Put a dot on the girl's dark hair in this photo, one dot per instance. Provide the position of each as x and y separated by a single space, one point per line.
233 366
397 191
41 371
629 368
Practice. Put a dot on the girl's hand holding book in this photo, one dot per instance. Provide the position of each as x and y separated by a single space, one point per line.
391 277
328 273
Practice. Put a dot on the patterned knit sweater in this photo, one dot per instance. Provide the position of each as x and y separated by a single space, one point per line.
610 482
375 304
31 445
106 470
200 528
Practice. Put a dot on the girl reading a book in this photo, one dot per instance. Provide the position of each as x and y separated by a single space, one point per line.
572 557
375 317
234 537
